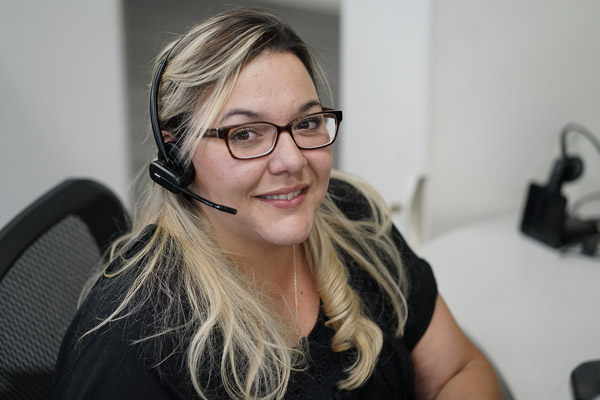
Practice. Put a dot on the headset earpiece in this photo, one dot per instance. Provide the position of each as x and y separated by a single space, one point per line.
172 173
177 163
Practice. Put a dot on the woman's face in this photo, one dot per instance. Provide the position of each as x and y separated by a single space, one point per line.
273 87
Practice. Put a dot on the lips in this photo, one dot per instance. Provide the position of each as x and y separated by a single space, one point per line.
284 193
285 196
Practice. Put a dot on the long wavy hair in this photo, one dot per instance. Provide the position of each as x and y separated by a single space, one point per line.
200 298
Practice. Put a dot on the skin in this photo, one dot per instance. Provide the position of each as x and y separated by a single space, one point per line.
273 87
276 87
448 366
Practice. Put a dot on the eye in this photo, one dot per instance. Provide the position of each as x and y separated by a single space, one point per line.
310 123
241 135
246 135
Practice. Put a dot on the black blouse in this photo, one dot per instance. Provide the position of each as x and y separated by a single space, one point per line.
111 364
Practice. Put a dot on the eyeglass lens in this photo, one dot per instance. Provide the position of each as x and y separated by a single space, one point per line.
253 140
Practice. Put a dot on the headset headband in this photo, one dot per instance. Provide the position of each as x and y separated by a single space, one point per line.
154 121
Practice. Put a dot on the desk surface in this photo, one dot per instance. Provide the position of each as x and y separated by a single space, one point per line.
533 311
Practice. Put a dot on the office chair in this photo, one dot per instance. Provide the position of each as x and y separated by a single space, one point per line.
47 253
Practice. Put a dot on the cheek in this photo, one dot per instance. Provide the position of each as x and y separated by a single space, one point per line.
321 161
321 165
208 165
219 175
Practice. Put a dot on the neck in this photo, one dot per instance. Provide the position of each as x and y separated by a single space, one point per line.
268 267
291 288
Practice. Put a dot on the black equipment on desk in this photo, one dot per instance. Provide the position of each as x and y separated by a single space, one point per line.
545 217
585 381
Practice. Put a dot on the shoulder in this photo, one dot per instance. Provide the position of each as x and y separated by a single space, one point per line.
422 292
99 358
359 202
92 364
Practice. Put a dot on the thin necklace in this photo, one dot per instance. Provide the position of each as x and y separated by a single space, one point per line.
295 285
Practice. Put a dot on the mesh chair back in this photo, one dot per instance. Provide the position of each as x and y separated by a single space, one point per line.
48 253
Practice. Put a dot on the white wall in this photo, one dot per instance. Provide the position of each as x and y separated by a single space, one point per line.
472 95
506 77
384 69
62 107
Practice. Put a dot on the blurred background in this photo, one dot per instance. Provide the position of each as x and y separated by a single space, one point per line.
451 107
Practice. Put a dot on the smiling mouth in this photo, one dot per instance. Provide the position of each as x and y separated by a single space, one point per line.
288 196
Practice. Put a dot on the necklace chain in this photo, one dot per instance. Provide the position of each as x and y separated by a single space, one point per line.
295 286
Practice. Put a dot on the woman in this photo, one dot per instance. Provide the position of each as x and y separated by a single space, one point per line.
265 277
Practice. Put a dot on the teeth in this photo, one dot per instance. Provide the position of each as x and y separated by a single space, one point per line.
288 196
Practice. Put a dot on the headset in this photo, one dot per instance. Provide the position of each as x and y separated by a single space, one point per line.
170 170
545 217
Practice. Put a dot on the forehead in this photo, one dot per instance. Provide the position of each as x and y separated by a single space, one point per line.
272 85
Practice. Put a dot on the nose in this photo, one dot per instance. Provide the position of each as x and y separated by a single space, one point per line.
286 156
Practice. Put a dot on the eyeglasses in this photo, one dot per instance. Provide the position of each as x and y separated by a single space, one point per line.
257 139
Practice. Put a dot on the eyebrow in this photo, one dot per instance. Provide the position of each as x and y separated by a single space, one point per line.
252 115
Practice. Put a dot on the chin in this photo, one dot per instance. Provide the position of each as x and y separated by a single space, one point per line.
288 240
288 237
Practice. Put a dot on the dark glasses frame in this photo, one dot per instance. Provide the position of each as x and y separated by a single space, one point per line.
223 133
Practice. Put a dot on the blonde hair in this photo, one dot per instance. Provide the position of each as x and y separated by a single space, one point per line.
199 296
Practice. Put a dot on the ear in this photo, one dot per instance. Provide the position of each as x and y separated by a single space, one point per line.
167 136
